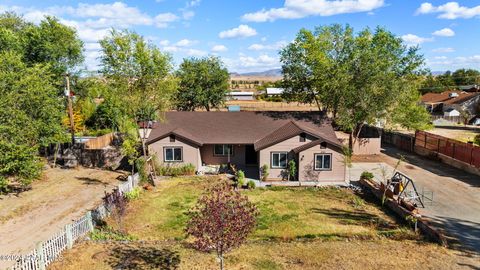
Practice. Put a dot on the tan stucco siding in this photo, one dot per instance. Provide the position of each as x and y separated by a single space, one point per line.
238 157
367 146
285 146
306 165
190 153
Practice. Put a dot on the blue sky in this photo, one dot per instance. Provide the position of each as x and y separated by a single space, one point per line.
248 34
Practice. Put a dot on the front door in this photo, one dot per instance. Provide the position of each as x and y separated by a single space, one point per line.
250 155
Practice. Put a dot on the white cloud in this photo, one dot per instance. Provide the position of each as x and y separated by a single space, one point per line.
262 47
450 10
185 43
412 39
445 32
162 20
443 50
445 63
193 3
295 9
219 48
246 63
239 32
195 52
164 42
188 14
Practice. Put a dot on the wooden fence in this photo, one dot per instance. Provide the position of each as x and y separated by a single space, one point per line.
47 252
100 142
401 141
464 152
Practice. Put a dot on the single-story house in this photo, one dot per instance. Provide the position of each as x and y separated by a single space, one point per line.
237 95
439 103
250 140
274 91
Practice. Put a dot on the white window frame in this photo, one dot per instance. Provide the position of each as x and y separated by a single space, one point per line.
173 153
278 153
322 163
224 150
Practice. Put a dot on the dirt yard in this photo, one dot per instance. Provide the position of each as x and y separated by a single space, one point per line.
58 198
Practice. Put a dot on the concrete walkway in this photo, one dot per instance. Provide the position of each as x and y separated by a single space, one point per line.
456 194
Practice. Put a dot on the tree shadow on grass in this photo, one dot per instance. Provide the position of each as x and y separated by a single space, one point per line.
359 217
127 256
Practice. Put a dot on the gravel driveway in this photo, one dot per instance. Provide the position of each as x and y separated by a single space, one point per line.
456 194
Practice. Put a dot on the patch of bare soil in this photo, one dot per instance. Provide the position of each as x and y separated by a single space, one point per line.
61 196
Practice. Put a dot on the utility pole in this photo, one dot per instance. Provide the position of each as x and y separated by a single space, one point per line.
70 108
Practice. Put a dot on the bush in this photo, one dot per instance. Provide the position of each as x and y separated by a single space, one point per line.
240 178
134 194
187 169
264 171
251 184
476 140
366 175
3 185
141 167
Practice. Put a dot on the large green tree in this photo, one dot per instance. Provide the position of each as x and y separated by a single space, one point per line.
48 42
203 83
139 76
361 78
33 59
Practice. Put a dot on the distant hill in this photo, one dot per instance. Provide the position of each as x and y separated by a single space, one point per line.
267 73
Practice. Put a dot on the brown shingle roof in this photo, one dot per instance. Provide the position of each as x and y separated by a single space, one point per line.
259 128
314 143
445 98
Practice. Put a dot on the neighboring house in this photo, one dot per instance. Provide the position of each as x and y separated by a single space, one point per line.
443 103
240 96
274 91
250 140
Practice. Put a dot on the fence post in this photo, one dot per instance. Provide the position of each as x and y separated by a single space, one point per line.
40 256
69 235
89 221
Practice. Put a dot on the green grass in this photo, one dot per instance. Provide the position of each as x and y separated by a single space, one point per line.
298 228
285 213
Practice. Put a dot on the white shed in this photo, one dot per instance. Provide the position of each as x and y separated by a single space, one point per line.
274 91
240 96
451 112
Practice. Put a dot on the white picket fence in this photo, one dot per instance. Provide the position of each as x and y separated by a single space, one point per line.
47 252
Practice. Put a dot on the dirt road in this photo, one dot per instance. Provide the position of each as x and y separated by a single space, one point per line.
59 198
456 194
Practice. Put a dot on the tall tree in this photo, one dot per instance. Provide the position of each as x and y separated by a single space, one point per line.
49 42
33 59
360 78
203 83
139 75
466 77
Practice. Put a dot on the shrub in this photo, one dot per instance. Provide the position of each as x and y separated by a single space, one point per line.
476 140
187 169
141 166
251 184
240 178
366 175
3 185
134 194
264 171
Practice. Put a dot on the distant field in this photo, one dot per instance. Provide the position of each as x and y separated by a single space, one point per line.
272 106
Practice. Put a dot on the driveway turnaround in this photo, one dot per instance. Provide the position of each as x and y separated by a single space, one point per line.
456 194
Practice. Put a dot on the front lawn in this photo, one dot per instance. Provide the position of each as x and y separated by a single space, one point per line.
302 228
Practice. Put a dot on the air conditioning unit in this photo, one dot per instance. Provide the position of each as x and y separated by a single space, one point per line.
453 95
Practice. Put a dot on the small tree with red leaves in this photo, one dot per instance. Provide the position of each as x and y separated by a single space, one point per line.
221 220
